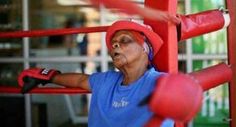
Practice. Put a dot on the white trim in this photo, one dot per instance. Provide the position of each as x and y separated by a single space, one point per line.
226 19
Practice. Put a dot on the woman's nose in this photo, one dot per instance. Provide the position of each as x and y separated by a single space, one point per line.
115 45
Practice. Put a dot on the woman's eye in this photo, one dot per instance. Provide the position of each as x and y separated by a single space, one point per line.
126 40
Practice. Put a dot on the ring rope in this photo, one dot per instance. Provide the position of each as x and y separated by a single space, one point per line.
52 32
44 90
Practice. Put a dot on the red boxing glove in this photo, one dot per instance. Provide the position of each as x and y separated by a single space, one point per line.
176 96
30 78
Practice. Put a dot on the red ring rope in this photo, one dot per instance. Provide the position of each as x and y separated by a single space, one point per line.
51 32
46 90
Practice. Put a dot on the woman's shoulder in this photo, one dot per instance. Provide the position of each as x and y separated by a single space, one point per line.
155 73
106 74
103 78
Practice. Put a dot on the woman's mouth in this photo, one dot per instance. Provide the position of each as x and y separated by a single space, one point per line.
116 55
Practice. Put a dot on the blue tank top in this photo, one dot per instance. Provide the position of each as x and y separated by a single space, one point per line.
116 105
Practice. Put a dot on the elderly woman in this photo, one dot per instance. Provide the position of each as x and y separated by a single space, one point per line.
116 94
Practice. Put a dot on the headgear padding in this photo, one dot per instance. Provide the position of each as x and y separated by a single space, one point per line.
153 38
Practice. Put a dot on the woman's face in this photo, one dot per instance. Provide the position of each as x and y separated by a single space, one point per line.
125 49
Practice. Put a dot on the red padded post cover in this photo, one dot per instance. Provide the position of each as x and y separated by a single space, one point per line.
200 23
213 76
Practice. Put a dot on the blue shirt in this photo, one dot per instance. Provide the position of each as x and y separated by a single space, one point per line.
116 105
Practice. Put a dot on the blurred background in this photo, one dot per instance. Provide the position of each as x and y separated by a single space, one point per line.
87 53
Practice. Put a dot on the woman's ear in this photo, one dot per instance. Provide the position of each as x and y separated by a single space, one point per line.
144 49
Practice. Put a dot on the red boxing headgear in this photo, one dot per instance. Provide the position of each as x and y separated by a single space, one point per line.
152 37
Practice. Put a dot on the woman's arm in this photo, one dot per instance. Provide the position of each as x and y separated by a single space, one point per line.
130 7
72 80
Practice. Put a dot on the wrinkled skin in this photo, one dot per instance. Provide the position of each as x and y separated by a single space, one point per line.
125 50
128 56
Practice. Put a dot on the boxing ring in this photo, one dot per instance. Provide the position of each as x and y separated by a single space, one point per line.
168 53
